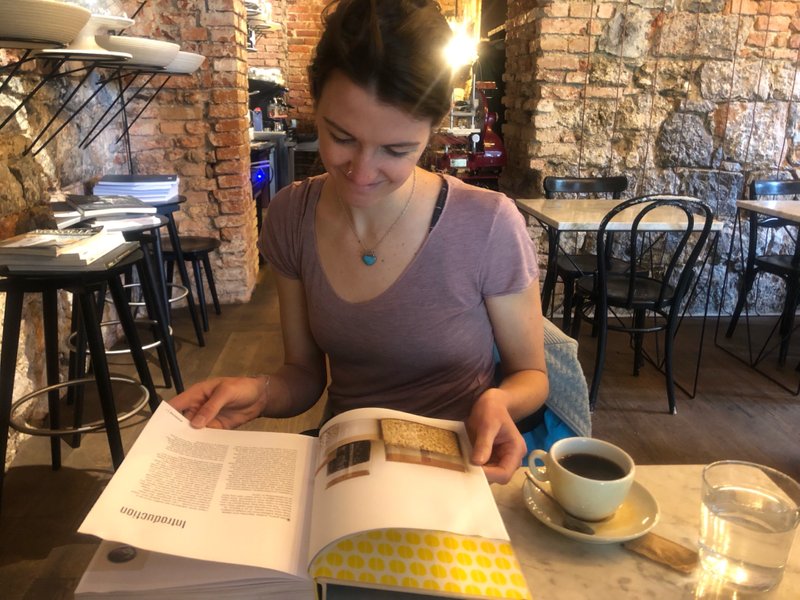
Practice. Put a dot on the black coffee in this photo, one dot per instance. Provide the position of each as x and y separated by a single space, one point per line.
592 466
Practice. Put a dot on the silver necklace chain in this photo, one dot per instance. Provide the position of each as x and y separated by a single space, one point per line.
368 256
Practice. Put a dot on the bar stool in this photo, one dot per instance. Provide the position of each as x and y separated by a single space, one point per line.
196 250
151 280
167 210
84 285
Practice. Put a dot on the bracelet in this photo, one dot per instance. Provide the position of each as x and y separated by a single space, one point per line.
267 378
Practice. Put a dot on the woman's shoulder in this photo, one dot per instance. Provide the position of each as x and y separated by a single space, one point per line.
296 197
306 188
478 201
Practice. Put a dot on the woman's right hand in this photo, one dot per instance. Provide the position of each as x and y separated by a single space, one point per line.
223 402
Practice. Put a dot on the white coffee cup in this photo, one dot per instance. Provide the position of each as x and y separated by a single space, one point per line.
599 482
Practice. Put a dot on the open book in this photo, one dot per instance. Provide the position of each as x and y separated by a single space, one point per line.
382 500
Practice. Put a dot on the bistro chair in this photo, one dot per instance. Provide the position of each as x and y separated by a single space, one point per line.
784 266
659 290
569 267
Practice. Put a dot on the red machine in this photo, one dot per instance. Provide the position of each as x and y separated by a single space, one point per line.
472 151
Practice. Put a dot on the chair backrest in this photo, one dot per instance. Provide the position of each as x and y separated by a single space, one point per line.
771 187
678 267
585 185
774 187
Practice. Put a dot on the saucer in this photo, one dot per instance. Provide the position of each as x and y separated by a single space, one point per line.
637 515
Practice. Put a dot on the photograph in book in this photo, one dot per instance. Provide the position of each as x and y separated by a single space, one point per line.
292 504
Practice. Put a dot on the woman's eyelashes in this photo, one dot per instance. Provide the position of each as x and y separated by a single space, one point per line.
390 150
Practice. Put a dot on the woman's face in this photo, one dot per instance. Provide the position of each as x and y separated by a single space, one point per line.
368 147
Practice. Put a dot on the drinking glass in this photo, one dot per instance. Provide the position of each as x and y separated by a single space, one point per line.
749 515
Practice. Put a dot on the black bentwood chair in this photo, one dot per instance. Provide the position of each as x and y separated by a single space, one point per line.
660 291
785 266
569 267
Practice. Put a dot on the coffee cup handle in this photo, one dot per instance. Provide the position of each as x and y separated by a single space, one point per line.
538 473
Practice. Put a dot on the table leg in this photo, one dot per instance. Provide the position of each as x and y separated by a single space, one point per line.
548 288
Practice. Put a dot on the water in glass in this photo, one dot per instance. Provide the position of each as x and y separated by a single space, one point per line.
745 536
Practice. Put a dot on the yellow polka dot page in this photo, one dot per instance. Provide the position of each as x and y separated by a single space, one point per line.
420 562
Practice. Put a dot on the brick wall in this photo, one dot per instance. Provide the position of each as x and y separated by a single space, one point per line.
196 127
292 48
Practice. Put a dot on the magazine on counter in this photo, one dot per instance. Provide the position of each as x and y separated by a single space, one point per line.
382 500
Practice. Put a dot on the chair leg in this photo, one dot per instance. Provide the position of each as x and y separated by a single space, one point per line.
50 318
94 337
184 274
201 293
747 285
569 293
600 358
577 319
787 318
134 342
150 289
669 346
211 285
8 366
638 337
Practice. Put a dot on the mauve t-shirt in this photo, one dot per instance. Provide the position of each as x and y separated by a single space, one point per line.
425 344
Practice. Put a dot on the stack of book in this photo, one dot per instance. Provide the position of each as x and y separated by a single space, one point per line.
65 214
153 189
51 250
112 213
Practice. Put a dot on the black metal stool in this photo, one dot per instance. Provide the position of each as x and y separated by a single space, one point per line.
196 250
84 285
167 210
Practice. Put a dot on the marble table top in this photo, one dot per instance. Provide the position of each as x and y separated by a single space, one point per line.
586 214
560 568
785 209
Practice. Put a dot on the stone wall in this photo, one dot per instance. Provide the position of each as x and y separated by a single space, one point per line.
682 96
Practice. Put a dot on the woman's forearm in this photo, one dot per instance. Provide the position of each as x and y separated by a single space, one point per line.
526 392
290 391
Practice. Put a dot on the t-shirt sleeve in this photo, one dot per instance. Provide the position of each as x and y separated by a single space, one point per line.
510 263
281 232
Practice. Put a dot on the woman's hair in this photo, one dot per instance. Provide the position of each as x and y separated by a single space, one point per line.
394 48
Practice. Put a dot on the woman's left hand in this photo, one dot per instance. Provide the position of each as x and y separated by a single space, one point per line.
497 444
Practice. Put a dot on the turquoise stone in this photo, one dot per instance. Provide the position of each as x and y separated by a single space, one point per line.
369 259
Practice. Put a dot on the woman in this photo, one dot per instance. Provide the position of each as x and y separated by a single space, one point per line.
403 279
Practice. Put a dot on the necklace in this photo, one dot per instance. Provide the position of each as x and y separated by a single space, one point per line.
368 256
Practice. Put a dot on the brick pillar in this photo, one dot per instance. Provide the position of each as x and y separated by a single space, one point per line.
197 127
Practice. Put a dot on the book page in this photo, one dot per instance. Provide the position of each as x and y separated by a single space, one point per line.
380 468
229 496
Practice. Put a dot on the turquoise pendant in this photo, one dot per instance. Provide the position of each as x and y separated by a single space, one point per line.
369 259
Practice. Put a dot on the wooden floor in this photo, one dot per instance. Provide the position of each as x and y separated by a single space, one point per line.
736 414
